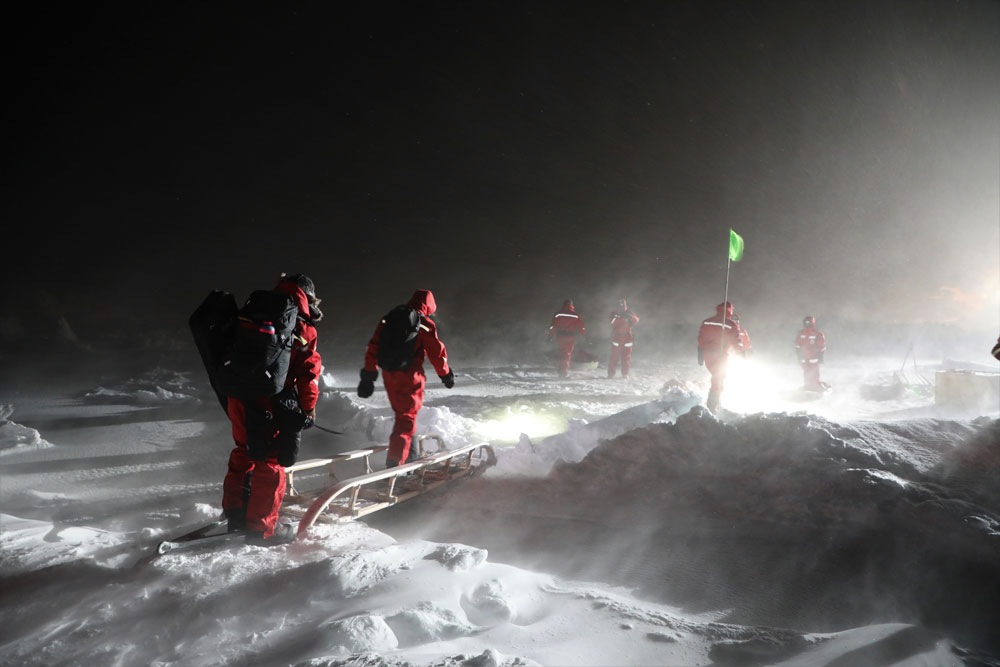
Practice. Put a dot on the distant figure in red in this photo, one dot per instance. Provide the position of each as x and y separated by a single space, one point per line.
405 388
996 350
622 339
809 347
254 487
718 337
566 324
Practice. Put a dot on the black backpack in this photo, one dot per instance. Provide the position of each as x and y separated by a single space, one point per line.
247 352
213 325
398 339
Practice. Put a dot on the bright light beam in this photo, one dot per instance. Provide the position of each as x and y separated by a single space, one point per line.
509 426
752 386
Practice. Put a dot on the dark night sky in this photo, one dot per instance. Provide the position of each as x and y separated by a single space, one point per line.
506 156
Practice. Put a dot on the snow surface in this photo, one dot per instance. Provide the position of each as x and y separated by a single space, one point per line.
622 525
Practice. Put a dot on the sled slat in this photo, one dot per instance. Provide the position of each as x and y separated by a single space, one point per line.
294 493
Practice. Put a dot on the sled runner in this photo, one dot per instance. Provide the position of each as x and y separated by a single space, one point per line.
207 535
371 492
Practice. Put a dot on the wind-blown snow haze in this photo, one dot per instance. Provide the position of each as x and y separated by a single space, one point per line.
509 157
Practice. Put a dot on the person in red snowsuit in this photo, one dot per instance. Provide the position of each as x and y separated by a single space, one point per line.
566 324
254 487
718 337
622 339
810 345
405 388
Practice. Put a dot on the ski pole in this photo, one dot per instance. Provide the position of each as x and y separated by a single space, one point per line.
327 430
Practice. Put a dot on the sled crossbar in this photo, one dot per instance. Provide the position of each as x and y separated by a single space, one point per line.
374 491
292 493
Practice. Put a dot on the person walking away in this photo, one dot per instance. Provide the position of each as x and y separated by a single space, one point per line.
566 324
718 337
622 339
267 431
402 340
810 346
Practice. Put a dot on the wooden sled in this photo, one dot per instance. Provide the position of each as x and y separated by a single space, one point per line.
359 496
295 495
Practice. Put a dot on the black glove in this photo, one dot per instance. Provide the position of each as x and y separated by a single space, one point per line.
288 448
449 379
290 420
367 385
701 357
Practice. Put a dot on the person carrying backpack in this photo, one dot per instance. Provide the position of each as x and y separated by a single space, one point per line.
401 342
267 430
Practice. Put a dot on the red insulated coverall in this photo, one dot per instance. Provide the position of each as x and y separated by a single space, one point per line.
622 339
566 323
810 345
718 336
405 388
259 486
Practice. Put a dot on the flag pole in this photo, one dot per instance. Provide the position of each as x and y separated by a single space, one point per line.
722 323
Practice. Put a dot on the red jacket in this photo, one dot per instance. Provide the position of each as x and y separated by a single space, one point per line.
567 321
306 364
429 346
719 335
810 345
622 322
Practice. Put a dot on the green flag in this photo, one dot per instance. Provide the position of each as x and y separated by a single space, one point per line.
735 246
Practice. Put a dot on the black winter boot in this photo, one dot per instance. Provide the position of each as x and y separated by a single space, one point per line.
237 519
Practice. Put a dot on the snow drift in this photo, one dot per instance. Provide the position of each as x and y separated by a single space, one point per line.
622 525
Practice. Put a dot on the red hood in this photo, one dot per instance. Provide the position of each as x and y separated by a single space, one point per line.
568 305
728 306
423 302
298 296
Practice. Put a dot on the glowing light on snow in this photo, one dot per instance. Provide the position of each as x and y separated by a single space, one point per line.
509 426
752 386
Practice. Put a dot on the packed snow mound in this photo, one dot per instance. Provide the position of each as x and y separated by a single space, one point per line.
829 511
16 437
358 634
799 468
157 386
537 459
